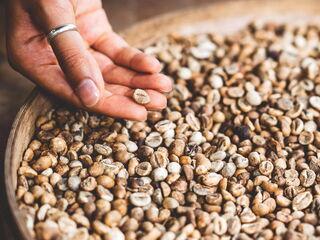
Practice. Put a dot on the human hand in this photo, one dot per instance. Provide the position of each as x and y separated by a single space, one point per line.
93 68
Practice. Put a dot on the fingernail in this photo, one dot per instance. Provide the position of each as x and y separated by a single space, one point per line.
88 92
167 84
156 65
154 61
171 82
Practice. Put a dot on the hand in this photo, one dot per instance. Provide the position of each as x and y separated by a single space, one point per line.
93 68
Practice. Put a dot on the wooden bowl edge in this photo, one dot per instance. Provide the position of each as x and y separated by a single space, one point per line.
10 193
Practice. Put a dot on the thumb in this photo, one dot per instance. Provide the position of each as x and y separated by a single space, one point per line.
77 63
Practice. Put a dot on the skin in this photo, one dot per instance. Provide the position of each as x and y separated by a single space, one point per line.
92 68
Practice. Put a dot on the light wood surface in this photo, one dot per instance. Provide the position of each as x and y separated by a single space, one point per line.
221 17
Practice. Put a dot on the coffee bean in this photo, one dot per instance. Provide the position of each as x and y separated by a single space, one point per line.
141 97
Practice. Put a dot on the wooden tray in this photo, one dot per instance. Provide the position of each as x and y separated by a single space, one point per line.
218 17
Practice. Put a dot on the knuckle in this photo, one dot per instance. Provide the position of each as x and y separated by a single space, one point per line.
73 59
122 54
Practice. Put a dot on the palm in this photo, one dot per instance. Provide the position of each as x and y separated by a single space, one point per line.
37 61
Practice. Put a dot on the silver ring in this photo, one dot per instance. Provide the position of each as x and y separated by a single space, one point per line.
61 29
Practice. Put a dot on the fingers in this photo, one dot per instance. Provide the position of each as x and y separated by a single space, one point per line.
137 60
118 50
120 104
114 74
109 43
122 76
157 100
77 63
115 106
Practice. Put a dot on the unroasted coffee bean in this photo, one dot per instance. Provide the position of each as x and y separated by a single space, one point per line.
103 149
89 184
164 126
159 174
174 167
211 179
74 183
96 169
315 102
58 144
266 167
170 203
43 163
215 81
140 199
302 200
235 92
202 190
220 226
307 177
228 170
233 225
154 139
177 147
193 122
306 138
141 97
144 169
253 98
285 104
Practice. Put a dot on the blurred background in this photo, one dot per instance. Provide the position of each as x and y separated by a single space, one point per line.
14 88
